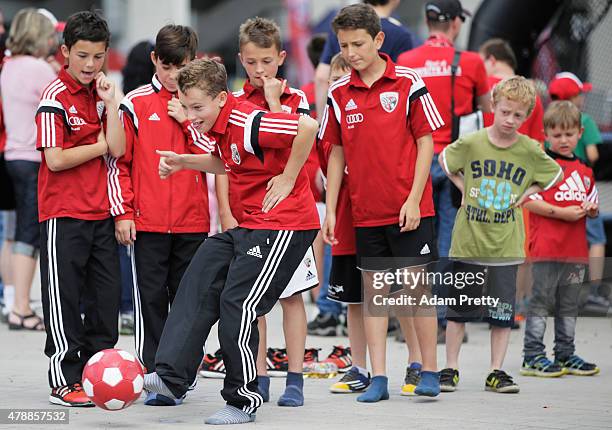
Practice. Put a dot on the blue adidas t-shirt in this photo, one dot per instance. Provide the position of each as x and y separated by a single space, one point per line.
398 39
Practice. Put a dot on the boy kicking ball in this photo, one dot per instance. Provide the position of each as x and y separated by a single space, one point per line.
226 281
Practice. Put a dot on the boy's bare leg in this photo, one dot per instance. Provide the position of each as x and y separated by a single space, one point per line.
262 367
407 325
454 339
294 327
500 336
357 338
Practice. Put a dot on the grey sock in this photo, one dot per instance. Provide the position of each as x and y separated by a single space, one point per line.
230 415
155 384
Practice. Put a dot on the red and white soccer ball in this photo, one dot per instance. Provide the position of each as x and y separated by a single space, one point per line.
113 379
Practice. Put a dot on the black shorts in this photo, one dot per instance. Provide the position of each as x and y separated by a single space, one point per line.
386 248
25 182
487 283
345 280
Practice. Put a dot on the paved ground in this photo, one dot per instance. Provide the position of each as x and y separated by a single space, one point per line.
566 403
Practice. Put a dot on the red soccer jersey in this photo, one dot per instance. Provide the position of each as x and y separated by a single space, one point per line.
378 127
344 231
433 61
255 146
555 239
178 204
292 101
533 125
71 115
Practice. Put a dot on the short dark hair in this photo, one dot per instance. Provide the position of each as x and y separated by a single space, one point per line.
88 26
357 17
315 48
175 43
205 74
262 32
500 50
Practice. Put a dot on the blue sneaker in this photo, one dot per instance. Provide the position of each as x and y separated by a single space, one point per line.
156 399
429 385
352 382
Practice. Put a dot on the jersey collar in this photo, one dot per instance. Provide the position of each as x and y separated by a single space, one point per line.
249 89
439 41
556 156
157 86
72 84
222 120
389 73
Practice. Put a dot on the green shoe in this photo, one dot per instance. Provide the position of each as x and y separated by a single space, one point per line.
500 382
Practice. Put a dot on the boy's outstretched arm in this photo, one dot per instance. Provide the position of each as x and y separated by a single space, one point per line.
115 134
280 186
410 213
335 172
171 162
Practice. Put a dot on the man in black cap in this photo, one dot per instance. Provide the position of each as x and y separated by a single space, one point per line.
433 61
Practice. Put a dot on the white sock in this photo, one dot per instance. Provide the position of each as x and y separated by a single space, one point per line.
363 371
9 298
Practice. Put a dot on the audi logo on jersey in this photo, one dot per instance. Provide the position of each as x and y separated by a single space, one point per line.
76 121
354 118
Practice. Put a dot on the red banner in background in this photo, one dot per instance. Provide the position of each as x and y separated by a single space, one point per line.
300 70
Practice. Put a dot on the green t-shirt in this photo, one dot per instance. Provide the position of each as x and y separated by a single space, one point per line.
488 225
590 136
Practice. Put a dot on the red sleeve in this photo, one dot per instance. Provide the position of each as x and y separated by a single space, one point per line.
423 115
323 150
50 123
329 130
536 122
197 142
270 130
123 206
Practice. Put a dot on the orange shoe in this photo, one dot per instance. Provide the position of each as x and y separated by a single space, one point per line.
70 395
341 357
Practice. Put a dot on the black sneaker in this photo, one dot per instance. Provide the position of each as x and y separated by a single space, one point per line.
412 379
575 365
449 379
500 382
324 324
541 366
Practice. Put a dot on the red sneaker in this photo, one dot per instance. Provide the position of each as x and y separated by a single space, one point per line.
311 355
70 395
341 357
212 366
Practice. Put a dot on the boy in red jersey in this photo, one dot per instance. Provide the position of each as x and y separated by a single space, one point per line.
165 221
261 55
380 119
559 264
77 126
239 274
